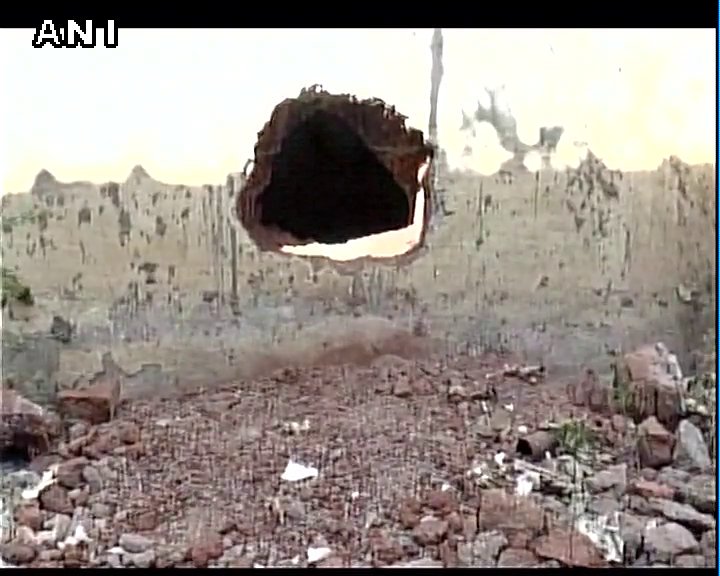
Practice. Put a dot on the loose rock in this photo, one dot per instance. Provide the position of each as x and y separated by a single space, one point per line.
649 489
517 558
614 477
16 553
29 515
60 524
134 543
483 551
25 427
570 548
651 384
93 479
655 444
708 546
691 561
430 531
669 540
95 404
210 547
141 560
509 513
55 498
69 473
145 521
128 432
691 452
682 514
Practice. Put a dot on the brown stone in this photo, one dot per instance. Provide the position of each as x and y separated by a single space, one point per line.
408 516
430 531
645 385
402 389
95 404
79 497
17 553
24 426
517 558
456 523
441 501
331 562
570 548
72 556
207 549
43 462
654 444
650 489
29 515
104 443
128 432
385 549
499 510
69 473
145 521
55 498
518 540
592 392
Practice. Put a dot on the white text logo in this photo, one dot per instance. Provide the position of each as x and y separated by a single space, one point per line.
72 33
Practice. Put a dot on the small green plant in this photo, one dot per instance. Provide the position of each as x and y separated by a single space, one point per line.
14 290
622 394
574 437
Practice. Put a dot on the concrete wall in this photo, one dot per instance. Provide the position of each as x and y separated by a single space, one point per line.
562 267
150 272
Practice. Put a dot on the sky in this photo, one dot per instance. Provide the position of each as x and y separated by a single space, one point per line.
187 104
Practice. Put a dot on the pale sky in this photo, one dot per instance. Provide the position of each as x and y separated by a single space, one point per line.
187 104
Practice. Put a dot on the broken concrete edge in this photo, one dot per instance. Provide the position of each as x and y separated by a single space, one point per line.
284 118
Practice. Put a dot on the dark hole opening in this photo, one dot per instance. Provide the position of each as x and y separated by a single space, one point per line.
327 186
14 458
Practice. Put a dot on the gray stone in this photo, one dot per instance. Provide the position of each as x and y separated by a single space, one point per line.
708 547
691 452
605 505
295 509
483 551
614 477
690 561
673 477
632 532
100 510
669 541
60 525
419 563
700 492
134 543
77 430
93 479
682 514
113 560
61 330
21 479
142 559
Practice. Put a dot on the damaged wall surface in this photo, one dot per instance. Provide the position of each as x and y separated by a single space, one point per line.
564 267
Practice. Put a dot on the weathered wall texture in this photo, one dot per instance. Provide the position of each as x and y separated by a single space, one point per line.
562 267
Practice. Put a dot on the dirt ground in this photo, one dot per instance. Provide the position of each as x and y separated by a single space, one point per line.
407 463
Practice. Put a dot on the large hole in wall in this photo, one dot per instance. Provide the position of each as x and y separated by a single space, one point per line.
337 177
